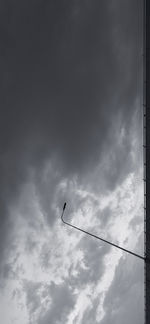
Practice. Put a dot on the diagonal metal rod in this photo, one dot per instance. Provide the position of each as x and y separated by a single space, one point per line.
99 238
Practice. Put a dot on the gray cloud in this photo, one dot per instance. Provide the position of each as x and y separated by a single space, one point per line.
55 302
90 314
68 88
94 253
69 82
92 267
33 300
62 303
124 301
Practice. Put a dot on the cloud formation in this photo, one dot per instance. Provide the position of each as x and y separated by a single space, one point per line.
70 129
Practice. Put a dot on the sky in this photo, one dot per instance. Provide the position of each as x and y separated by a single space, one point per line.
71 130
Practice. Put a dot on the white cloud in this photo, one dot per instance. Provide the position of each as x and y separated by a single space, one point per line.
74 264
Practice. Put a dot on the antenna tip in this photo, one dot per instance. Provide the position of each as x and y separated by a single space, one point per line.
64 206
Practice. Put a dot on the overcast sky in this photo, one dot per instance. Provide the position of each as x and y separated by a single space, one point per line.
71 130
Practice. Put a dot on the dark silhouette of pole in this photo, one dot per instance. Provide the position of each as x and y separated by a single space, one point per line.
146 155
99 238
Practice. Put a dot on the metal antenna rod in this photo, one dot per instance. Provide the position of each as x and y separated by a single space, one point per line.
99 238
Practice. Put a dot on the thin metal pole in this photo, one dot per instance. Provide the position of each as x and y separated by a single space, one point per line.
99 238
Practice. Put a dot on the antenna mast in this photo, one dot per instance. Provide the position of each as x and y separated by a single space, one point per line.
146 104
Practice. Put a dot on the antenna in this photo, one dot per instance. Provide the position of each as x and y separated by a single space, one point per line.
99 238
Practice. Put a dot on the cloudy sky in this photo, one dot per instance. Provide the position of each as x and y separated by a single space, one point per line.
71 130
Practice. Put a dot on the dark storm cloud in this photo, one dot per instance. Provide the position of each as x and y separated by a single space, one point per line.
68 69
